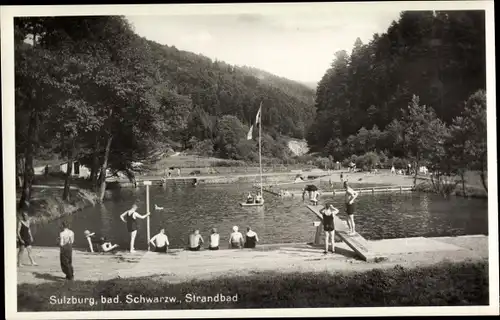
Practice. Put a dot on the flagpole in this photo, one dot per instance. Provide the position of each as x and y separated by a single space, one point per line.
260 148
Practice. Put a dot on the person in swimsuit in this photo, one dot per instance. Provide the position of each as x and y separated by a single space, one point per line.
106 245
236 239
328 213
195 241
90 239
214 240
160 241
251 238
130 217
313 192
66 239
24 238
350 196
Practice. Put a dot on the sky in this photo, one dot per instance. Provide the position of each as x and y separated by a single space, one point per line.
296 45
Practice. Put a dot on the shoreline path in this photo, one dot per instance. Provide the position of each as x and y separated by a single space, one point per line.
180 265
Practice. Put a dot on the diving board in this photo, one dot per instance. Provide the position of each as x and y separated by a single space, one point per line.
356 242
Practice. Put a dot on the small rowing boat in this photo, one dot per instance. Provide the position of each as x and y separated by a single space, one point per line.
253 204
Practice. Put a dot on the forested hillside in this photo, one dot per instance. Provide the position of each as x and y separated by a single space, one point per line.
414 95
90 89
438 56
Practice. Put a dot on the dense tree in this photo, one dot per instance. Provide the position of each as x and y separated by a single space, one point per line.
438 56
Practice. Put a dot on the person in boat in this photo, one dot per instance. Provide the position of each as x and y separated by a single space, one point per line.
328 213
130 217
236 239
350 196
106 245
89 236
250 198
160 241
258 198
195 241
213 243
24 238
251 238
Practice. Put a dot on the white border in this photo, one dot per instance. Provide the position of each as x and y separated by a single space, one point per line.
7 14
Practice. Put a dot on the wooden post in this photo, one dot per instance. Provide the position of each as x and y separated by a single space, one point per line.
400 188
373 190
317 236
147 184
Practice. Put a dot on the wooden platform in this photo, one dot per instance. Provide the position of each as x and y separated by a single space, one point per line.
357 243
298 193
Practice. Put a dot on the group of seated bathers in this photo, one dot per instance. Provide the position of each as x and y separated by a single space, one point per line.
236 240
160 241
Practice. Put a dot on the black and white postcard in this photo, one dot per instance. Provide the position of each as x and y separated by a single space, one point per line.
244 160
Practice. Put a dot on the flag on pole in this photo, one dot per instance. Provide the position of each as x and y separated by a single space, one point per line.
249 135
257 118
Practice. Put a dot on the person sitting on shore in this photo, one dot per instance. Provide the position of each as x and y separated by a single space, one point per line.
106 245
195 241
251 238
250 198
160 241
258 198
90 240
214 240
236 239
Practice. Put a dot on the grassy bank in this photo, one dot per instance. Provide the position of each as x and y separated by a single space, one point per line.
444 284
47 204
471 191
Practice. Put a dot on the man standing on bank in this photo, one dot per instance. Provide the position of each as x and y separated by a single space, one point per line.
350 196
66 239
329 212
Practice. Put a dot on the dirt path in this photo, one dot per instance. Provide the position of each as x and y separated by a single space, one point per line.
180 265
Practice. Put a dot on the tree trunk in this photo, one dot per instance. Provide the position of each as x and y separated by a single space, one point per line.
416 174
462 176
95 165
104 168
69 170
29 172
483 175
19 171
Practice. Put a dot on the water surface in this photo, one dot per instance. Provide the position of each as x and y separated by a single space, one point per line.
378 216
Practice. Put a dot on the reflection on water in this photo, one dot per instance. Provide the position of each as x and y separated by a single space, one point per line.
377 216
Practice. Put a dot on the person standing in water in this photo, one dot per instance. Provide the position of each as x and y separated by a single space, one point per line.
130 217
24 238
251 238
66 240
213 243
350 196
329 212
